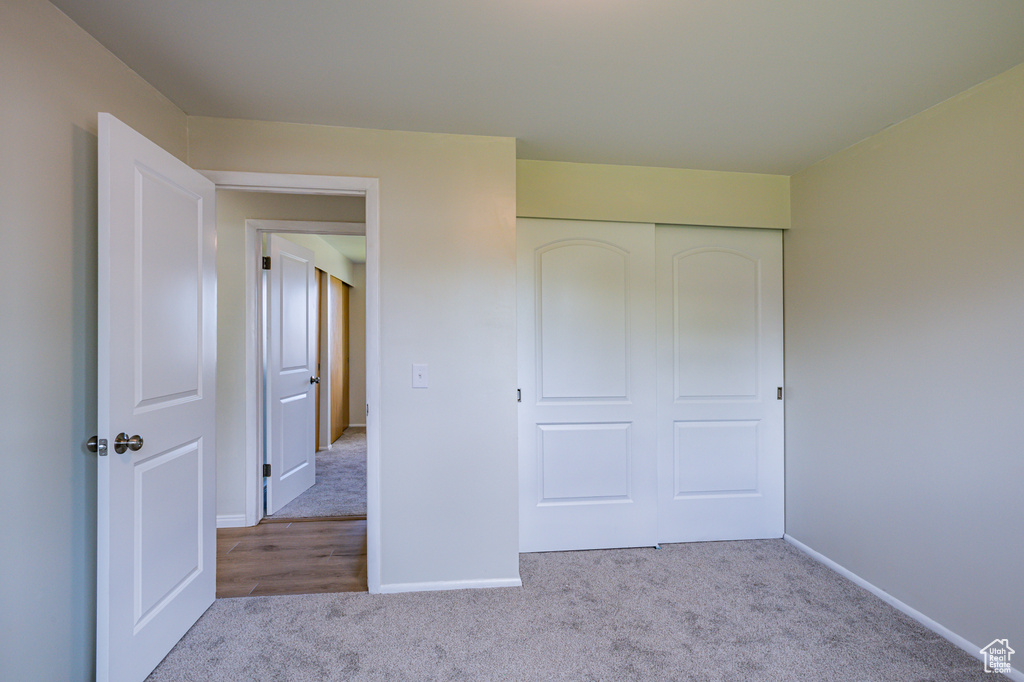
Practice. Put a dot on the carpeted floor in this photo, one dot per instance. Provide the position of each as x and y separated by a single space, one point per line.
754 610
340 488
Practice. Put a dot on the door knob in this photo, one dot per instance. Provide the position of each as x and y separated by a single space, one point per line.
314 380
123 442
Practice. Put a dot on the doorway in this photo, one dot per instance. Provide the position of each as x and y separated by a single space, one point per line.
249 374
314 496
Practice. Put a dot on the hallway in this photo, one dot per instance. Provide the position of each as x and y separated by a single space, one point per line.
340 488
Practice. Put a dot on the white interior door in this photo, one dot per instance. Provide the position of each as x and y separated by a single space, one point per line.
291 372
720 360
156 535
586 368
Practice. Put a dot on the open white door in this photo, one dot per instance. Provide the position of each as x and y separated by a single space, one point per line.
291 372
156 537
587 466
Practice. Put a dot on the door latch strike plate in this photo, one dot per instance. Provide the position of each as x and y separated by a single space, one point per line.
266 471
97 445
778 394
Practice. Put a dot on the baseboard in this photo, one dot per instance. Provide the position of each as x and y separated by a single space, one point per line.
231 520
393 588
939 629
361 426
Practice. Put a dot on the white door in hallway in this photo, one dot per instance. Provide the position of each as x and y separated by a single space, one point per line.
156 498
586 369
720 370
291 372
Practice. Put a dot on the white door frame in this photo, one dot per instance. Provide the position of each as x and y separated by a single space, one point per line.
329 185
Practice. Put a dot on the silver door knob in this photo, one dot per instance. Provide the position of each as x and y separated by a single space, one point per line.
122 442
314 380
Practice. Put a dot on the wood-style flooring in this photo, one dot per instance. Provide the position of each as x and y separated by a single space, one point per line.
298 557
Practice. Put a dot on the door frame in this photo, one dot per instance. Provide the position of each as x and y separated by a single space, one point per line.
321 185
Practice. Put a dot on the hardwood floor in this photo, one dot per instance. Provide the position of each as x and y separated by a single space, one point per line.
298 557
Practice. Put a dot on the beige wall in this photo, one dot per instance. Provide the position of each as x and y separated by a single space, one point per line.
447 270
357 346
54 79
905 360
325 256
586 191
233 209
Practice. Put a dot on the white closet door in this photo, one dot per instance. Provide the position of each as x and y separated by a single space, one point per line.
720 418
586 367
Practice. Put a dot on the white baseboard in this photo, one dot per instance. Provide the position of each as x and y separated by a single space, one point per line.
363 426
939 629
231 520
393 588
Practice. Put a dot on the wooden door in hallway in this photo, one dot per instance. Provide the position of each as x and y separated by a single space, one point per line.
338 306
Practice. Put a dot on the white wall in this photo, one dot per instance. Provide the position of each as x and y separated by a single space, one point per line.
55 78
233 209
447 269
357 345
905 360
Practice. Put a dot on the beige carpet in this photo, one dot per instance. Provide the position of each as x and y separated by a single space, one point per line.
754 610
340 488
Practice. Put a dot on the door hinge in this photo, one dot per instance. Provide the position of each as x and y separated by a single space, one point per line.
519 395
266 262
266 471
367 409
778 394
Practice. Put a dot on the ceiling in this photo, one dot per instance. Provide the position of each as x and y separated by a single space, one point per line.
350 246
740 85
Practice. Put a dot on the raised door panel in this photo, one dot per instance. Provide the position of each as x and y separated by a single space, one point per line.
716 310
715 457
169 510
293 323
168 349
584 462
583 321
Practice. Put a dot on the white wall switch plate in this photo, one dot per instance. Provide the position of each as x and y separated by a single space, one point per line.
419 376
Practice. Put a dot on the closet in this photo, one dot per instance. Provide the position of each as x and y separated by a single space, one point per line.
651 374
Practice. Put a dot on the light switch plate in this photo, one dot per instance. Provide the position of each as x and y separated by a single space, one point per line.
419 376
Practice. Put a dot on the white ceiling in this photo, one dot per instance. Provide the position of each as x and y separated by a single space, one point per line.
741 85
352 247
